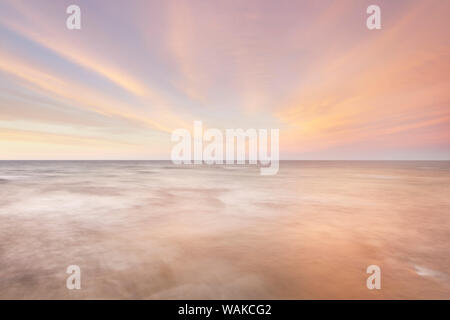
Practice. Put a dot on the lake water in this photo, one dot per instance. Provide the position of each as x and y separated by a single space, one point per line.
153 230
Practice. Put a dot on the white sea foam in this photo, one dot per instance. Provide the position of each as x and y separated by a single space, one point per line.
207 232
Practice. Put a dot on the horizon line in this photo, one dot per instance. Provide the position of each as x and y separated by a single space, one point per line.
224 160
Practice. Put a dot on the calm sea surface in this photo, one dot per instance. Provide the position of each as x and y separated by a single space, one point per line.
150 229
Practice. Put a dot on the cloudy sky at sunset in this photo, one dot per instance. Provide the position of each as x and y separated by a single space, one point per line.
139 69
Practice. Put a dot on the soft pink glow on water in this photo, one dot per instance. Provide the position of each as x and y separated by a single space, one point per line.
152 230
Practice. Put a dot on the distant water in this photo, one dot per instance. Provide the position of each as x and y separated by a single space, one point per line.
151 230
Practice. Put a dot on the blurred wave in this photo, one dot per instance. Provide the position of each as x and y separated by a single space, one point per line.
140 229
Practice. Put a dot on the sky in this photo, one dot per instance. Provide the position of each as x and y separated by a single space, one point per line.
137 70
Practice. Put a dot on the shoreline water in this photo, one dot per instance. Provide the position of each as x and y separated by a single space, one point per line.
149 230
